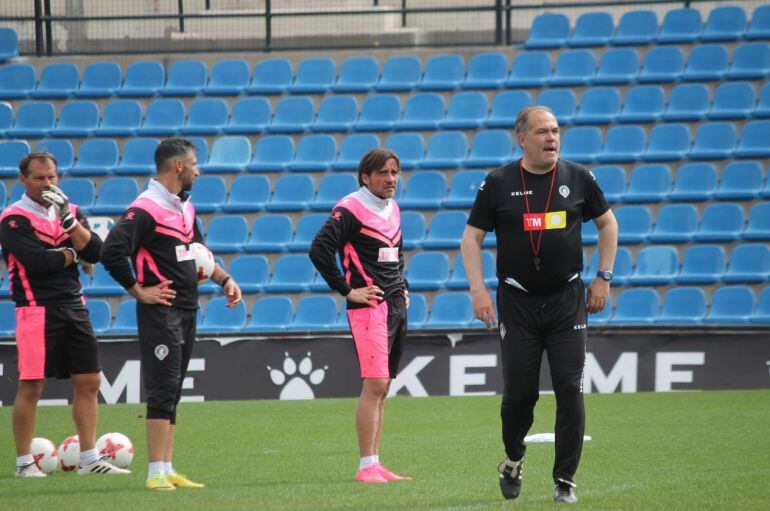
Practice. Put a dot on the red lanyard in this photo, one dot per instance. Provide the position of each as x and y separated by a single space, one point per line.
536 249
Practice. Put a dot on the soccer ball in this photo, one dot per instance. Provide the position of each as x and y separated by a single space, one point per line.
117 447
69 453
204 261
45 454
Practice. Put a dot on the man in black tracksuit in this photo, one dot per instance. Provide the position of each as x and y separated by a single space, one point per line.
536 207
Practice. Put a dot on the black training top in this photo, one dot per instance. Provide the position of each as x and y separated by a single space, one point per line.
501 206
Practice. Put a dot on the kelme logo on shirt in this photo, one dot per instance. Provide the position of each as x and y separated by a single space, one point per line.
544 221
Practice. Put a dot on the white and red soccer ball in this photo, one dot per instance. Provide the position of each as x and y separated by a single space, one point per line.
69 453
204 261
45 454
117 447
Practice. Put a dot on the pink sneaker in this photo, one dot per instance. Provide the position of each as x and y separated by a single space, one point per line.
371 474
390 476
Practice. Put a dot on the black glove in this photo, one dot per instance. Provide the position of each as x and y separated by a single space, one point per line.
56 198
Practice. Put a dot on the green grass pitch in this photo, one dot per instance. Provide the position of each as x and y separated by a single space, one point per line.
687 450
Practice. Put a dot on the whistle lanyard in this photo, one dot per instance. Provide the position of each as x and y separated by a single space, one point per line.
536 248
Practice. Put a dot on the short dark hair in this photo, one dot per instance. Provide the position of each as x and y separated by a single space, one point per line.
37 155
520 125
374 160
172 149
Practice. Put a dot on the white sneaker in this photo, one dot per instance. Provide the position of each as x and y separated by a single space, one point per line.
29 470
101 466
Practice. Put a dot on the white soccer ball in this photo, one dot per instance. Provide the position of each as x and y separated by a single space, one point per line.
117 447
69 453
204 261
45 454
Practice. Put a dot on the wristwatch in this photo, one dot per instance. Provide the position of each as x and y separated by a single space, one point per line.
605 275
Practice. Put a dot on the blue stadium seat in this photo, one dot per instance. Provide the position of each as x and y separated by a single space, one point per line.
400 73
621 270
425 190
142 79
465 185
668 142
100 315
229 154
412 229
100 80
76 119
229 77
687 102
450 310
271 76
125 318
662 64
209 194
623 144
443 72
758 226
96 157
33 120
702 264
221 318
680 26
634 224
762 312
589 233
207 116
619 66
248 194
754 142
644 103
358 74
684 305
270 314
574 67
491 148
731 305
270 233
379 112
582 144
163 117
80 191
185 78
7 319
612 181
675 223
636 28
726 23
417 313
16 191
694 182
292 273
428 271
530 69
467 110
446 150
714 141
251 272
549 30
655 266
57 81
227 234
353 148
733 100
9 44
635 306
459 279
599 105
11 152
592 29
741 180
62 151
506 106
331 189
410 148
115 194
423 111
17 81
202 149
751 61
706 62
749 264
292 115
760 23
249 116
6 118
721 223
272 154
562 103
486 71
138 157
315 313
446 229
336 113
103 284
292 193
315 75
315 153
120 119
307 227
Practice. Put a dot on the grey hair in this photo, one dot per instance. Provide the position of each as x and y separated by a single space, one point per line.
520 126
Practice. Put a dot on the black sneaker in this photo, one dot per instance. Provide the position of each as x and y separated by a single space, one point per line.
510 477
563 492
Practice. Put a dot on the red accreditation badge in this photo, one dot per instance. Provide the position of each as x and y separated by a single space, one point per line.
534 221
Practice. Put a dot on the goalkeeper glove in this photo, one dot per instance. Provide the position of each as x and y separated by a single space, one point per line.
56 198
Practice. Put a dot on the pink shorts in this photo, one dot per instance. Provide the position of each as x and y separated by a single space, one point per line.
379 333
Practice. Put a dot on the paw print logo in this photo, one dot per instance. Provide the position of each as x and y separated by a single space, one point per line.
297 379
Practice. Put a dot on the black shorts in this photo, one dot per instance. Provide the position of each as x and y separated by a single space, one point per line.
55 342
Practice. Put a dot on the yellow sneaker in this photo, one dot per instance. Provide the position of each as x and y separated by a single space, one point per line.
160 482
181 481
